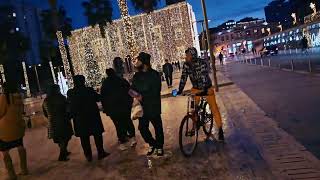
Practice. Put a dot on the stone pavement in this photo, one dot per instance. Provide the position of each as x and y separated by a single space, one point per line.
254 149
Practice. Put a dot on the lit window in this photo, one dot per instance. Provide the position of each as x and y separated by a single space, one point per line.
14 14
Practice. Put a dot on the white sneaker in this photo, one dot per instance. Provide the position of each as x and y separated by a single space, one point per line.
123 147
133 142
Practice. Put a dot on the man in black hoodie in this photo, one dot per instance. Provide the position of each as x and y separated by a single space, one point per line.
117 104
147 83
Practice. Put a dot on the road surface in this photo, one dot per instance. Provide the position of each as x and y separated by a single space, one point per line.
292 99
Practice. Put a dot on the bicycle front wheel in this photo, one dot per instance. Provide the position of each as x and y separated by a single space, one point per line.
208 119
188 138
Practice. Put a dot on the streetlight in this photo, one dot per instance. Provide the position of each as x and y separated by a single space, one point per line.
204 9
314 8
37 75
294 16
280 27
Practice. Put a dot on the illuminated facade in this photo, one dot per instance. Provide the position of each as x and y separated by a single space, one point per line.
164 33
291 38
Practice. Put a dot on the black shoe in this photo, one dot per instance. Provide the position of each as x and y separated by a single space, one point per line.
160 152
151 151
103 155
221 135
63 157
89 158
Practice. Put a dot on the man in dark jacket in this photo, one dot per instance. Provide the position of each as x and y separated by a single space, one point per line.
167 69
117 104
147 83
86 117
221 58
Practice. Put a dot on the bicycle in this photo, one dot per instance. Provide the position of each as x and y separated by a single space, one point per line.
190 128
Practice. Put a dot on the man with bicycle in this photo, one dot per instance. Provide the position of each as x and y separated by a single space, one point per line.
198 71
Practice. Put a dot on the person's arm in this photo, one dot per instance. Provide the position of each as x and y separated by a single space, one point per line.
153 86
171 68
204 76
3 106
183 79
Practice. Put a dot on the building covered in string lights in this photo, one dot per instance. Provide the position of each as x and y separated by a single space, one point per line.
164 33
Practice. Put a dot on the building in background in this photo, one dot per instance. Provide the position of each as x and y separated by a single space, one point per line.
234 37
26 19
279 13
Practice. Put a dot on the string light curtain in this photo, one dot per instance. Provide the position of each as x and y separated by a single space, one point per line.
165 34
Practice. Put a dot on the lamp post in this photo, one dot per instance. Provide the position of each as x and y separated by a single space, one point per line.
294 16
314 8
37 76
280 27
209 44
26 80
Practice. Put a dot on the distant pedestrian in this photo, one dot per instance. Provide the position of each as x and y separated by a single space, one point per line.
55 108
12 129
117 104
221 58
147 83
86 117
305 44
118 66
179 66
167 69
173 65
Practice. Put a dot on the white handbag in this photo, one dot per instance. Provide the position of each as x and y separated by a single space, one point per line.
137 110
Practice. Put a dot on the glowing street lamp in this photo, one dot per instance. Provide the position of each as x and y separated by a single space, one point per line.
280 26
294 16
313 7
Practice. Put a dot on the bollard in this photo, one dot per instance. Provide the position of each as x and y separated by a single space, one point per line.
255 61
292 65
279 66
269 62
310 66
261 61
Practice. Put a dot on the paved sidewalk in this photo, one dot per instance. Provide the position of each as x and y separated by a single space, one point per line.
256 149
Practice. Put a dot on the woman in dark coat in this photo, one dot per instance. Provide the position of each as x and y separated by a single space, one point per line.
86 117
60 128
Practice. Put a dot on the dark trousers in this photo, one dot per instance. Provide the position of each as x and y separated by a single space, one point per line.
124 127
169 79
86 146
156 121
63 145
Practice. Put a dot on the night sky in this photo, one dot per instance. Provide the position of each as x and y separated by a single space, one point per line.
219 11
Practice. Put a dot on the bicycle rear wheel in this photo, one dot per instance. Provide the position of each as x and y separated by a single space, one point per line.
207 119
187 139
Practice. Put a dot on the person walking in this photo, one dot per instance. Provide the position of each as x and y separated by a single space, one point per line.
167 69
55 108
221 58
118 66
147 83
12 129
117 104
86 117
179 66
